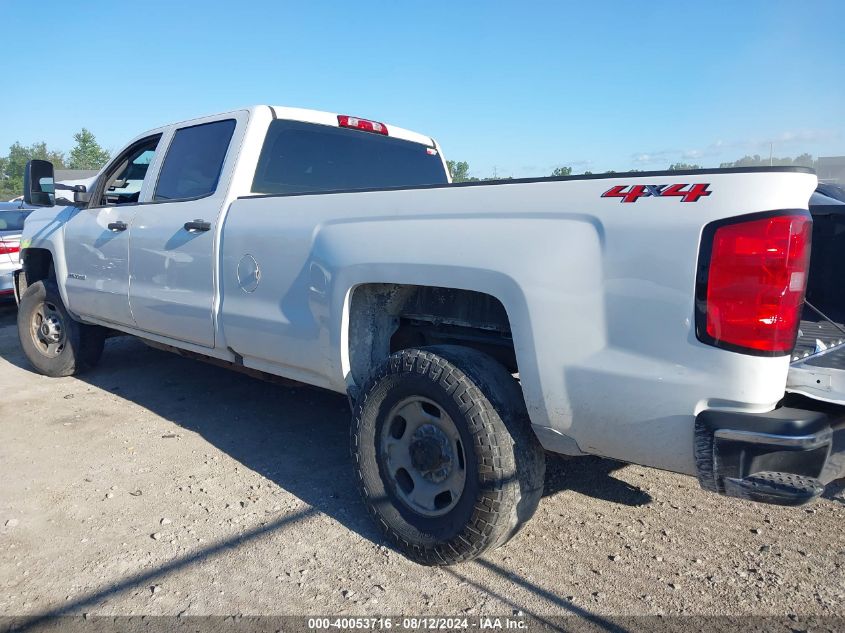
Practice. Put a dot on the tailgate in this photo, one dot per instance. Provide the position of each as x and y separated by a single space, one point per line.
820 376
818 362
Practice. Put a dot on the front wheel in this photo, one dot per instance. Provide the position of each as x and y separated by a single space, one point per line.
445 456
53 342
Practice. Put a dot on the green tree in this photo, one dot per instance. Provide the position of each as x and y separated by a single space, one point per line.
3 166
745 161
682 166
460 171
562 171
12 167
803 160
87 153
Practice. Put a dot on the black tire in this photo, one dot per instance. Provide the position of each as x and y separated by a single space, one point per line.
503 462
79 346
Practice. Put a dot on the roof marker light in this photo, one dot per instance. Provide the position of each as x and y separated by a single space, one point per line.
344 120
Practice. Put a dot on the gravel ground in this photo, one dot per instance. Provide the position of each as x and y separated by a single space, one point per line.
160 485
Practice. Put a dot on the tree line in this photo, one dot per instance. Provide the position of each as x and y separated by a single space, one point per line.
86 154
460 169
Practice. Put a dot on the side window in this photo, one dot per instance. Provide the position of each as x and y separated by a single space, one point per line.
126 176
194 161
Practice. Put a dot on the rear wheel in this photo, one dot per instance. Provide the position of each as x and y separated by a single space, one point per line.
446 459
53 342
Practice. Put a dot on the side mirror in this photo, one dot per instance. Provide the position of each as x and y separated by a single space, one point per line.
38 184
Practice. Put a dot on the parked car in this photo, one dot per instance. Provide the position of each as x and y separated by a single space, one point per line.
646 317
12 216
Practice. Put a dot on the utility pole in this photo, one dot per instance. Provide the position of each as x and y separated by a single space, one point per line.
771 152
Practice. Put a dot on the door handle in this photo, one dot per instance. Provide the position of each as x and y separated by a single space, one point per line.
196 226
117 226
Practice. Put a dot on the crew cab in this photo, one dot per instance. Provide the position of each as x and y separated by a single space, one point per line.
649 317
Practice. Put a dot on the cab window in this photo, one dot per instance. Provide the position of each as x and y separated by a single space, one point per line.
124 180
304 157
194 161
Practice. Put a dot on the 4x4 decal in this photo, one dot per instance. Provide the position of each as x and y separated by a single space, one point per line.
632 193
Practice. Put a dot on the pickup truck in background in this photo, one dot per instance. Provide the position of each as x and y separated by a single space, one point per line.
648 317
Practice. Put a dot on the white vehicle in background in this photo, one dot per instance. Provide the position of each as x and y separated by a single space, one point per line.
12 217
648 317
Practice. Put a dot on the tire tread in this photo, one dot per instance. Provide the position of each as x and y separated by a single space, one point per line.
493 407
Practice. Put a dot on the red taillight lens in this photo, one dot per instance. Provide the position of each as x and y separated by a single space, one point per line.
7 248
752 290
361 124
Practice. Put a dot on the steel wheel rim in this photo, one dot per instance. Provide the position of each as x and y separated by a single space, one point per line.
47 329
424 457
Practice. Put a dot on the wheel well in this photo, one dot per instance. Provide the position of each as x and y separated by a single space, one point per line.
38 265
385 318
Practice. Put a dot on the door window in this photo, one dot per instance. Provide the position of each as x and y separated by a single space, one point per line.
194 161
126 176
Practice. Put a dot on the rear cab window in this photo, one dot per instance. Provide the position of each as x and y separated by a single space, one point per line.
300 157
194 161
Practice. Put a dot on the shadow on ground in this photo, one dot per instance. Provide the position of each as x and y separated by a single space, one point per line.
593 477
295 436
8 312
835 491
298 438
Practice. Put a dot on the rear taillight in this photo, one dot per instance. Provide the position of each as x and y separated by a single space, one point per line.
353 122
8 248
751 281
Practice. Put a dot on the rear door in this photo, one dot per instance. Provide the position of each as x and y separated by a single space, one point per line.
97 237
173 245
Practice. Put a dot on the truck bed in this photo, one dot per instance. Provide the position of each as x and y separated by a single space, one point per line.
812 331
818 371
834 359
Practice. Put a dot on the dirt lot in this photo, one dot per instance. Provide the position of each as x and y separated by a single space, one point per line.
160 485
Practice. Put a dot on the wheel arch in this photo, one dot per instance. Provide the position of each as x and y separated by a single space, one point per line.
38 264
380 318
42 246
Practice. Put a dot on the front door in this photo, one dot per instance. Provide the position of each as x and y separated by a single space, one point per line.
172 249
97 238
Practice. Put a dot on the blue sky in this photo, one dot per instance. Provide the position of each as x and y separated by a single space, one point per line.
512 87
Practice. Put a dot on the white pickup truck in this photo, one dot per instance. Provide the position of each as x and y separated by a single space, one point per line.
647 317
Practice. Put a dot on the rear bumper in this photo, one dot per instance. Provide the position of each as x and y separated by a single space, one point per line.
733 448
